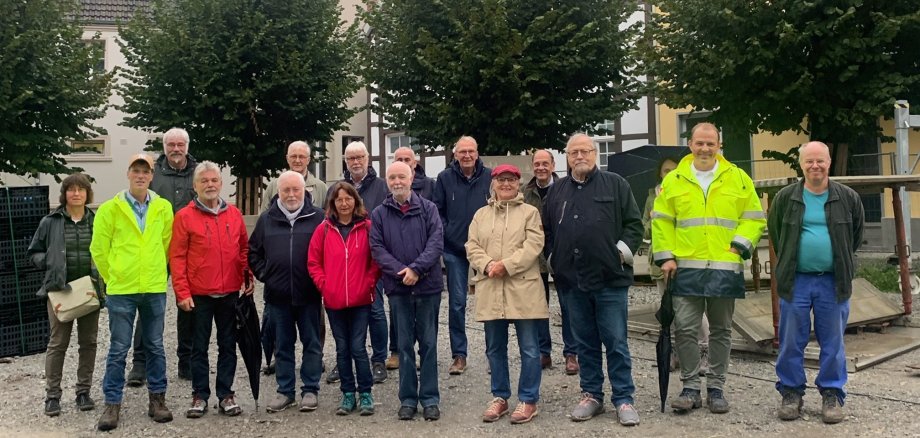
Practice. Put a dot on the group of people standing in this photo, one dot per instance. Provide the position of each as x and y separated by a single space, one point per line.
338 251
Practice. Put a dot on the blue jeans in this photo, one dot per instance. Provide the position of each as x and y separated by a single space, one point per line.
289 321
122 309
349 330
457 287
497 354
417 320
546 342
812 293
378 327
219 311
599 319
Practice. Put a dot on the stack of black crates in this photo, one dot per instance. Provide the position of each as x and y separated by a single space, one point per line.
23 315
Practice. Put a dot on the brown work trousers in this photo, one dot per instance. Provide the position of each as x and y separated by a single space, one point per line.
87 329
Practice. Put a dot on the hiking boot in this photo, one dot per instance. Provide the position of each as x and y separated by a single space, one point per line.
791 406
406 413
229 407
84 402
197 409
497 408
627 415
379 371
831 408
458 366
137 377
157 409
704 359
280 403
587 408
546 362
348 404
52 407
308 402
333 376
366 404
687 400
523 413
431 413
716 401
393 362
571 364
109 418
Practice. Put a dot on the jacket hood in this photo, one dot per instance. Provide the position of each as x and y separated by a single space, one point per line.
494 202
222 206
275 212
532 184
477 171
166 169
419 172
371 174
685 169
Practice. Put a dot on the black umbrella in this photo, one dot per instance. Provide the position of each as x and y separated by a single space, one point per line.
665 316
639 166
248 339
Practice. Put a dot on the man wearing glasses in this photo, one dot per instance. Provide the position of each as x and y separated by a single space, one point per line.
298 158
593 226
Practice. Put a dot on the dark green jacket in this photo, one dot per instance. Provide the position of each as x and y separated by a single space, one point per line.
176 186
845 217
532 197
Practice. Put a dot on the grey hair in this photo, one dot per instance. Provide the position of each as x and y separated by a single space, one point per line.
356 146
175 132
579 135
292 174
206 166
299 143
465 138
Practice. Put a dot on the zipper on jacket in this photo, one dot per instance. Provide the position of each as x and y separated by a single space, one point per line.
345 244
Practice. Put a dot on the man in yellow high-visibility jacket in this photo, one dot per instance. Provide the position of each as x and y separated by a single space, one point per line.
706 222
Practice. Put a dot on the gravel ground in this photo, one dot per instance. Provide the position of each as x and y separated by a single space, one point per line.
883 400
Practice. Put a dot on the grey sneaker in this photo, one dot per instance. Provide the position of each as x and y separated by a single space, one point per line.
197 409
831 408
52 407
716 401
627 415
379 371
308 402
687 400
791 406
279 403
333 375
587 408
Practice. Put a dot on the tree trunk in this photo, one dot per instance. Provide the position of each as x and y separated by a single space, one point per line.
248 194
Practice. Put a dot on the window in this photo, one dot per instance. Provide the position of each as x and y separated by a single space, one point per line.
605 128
605 148
88 147
399 140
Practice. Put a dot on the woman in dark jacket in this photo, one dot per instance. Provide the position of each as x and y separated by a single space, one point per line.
61 247
340 264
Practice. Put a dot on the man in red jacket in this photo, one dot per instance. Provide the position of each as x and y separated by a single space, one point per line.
208 259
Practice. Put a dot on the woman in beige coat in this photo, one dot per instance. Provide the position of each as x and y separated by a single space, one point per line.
505 242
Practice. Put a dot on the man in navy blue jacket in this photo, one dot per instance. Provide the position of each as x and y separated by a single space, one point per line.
406 242
278 258
461 189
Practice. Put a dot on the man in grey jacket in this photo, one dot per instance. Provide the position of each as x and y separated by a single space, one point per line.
816 226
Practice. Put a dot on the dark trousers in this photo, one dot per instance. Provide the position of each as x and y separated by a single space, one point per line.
378 327
222 311
417 321
185 326
291 321
349 330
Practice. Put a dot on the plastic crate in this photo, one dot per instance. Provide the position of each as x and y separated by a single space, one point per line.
15 254
24 313
25 339
29 201
29 283
19 228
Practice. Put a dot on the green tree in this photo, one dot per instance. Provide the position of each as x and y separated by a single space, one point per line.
826 68
244 77
49 93
515 74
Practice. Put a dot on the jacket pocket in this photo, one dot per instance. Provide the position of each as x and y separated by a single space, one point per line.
605 209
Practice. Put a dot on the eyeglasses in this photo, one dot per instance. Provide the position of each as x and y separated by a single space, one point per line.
355 159
298 157
465 152
506 180
579 152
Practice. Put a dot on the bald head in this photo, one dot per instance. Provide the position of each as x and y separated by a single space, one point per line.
405 155
399 181
815 161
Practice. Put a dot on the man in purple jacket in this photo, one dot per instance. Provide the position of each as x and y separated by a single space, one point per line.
407 241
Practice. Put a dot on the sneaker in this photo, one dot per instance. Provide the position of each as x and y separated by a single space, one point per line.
716 401
157 409
379 371
333 376
348 404
831 408
587 408
308 402
280 403
406 413
791 406
458 366
704 359
497 408
84 402
571 364
393 362
137 377
546 362
687 400
229 407
627 415
431 413
366 404
523 413
109 418
197 409
52 407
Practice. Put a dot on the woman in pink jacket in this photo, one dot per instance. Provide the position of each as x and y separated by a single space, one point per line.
341 266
